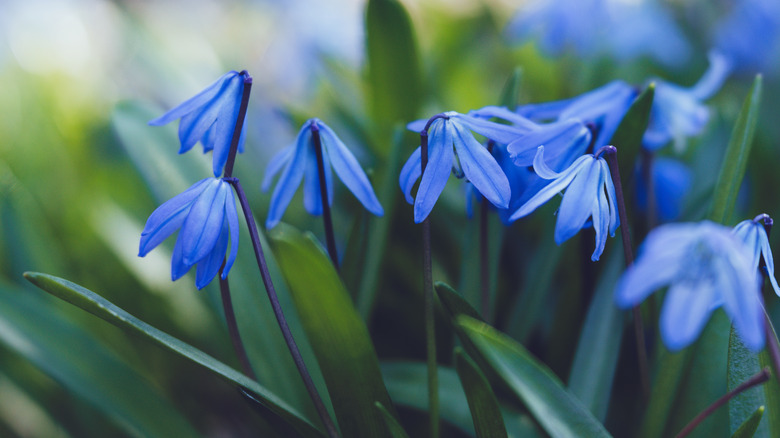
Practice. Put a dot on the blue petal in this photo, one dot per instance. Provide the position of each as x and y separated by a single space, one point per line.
312 198
417 125
737 281
208 267
520 122
650 272
769 261
569 139
204 222
348 169
601 218
686 309
578 201
545 110
481 168
230 104
290 180
437 172
410 173
713 78
178 267
232 219
495 131
169 217
194 126
194 102
614 218
275 165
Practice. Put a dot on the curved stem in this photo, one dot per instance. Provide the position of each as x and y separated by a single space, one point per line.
277 308
326 218
230 319
430 322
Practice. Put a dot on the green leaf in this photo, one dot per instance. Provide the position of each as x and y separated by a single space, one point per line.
393 63
102 308
628 136
395 428
483 404
511 91
735 161
455 304
742 365
772 387
598 350
557 410
749 427
337 333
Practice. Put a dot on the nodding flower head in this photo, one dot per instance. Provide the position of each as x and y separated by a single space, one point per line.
590 193
753 234
210 117
206 214
299 159
453 148
705 266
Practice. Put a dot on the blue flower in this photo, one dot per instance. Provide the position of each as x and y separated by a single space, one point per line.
299 159
206 214
753 234
705 266
590 193
603 107
452 148
750 35
677 112
210 117
671 181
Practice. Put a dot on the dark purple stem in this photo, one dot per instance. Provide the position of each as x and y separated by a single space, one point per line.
230 318
326 217
757 379
611 156
277 308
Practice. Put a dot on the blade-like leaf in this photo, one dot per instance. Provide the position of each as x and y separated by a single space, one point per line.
743 364
772 387
735 161
598 349
557 410
511 90
749 427
395 428
482 402
102 308
337 333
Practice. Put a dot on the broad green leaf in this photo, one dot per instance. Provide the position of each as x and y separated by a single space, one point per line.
455 304
36 330
102 308
395 428
395 87
628 136
735 161
598 349
743 364
559 412
483 404
749 427
407 384
337 333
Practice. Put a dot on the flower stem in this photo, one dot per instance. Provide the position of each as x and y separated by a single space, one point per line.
757 379
277 308
430 326
326 218
484 257
639 332
230 319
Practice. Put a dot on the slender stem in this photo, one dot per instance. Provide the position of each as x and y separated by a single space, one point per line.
230 318
639 332
430 326
757 379
326 218
239 124
277 308
484 257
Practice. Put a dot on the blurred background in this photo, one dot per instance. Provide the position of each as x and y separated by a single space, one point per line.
80 171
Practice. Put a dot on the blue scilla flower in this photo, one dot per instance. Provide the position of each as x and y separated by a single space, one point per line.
590 193
671 181
452 148
206 214
678 112
603 108
753 234
299 161
210 117
705 266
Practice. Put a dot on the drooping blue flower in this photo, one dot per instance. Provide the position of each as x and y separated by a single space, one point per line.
705 266
590 193
677 112
206 214
753 234
671 181
749 36
210 117
603 108
452 148
299 161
